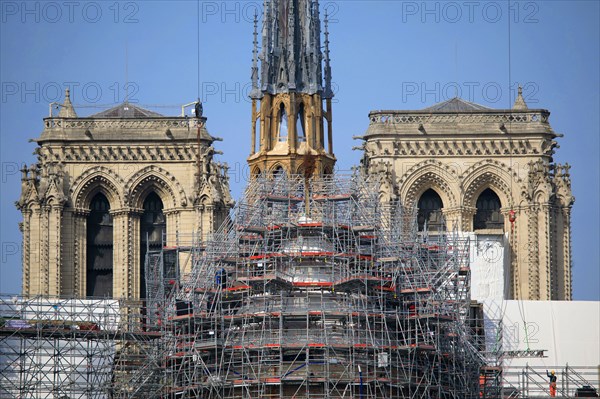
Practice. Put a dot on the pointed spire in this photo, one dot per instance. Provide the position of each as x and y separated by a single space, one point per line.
520 103
327 93
291 54
291 58
66 109
255 93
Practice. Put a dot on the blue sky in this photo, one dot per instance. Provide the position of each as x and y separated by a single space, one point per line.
385 55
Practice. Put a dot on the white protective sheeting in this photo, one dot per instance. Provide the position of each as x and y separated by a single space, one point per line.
569 331
489 262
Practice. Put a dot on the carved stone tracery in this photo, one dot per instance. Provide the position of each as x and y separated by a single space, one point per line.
94 179
154 178
425 175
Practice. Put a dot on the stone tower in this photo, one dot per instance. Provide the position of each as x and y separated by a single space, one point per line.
108 187
288 117
488 171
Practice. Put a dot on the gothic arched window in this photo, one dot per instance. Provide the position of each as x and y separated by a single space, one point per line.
300 125
283 124
488 214
152 228
429 216
278 172
99 258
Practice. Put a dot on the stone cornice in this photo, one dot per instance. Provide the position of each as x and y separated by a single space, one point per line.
483 116
123 123
479 123
96 152
444 146
164 129
80 211
174 211
127 211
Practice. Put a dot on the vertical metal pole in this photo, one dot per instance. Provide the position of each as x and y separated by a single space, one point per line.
527 379
565 380
360 388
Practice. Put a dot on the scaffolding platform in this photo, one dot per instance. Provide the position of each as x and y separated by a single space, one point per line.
328 294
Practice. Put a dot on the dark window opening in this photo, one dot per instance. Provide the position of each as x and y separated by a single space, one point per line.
279 172
283 124
99 262
152 229
300 125
488 214
324 134
429 216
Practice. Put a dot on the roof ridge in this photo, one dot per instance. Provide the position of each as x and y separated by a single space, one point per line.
456 104
126 110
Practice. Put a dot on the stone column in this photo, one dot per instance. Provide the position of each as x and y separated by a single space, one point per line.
172 226
266 131
317 106
467 213
126 243
80 216
452 217
520 254
533 275
511 270
199 222
555 241
312 126
66 262
545 256
205 220
209 214
36 271
54 241
26 248
567 293
44 278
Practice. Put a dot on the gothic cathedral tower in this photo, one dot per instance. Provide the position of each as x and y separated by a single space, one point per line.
108 188
288 118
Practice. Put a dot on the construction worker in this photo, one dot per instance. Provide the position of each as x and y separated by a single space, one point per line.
552 376
481 384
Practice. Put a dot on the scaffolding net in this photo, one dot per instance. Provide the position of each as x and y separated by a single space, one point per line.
317 289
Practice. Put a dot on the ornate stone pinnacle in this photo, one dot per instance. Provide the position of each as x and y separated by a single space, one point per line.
520 103
66 109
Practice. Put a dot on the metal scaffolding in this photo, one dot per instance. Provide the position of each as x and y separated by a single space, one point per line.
313 289
532 382
77 348
318 290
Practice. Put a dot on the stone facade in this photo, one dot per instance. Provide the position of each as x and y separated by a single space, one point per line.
119 158
485 170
